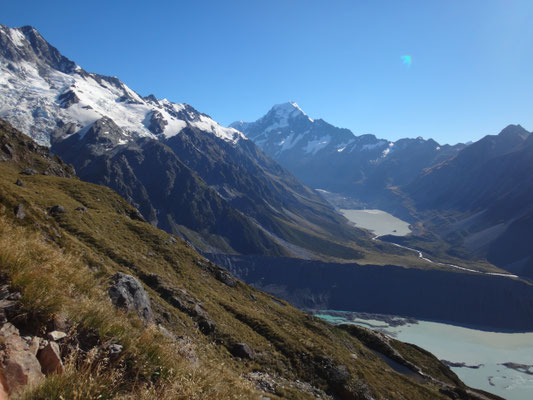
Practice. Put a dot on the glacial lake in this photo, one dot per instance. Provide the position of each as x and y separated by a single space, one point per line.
499 363
377 221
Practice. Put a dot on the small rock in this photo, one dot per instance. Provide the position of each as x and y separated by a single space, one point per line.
43 343
115 349
19 183
206 325
28 171
56 335
19 211
225 277
14 296
81 208
166 315
127 293
50 359
57 209
18 365
33 343
242 350
134 214
4 291
449 393
61 323
171 240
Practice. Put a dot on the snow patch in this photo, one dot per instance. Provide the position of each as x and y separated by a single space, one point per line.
387 150
315 145
227 134
372 146
17 37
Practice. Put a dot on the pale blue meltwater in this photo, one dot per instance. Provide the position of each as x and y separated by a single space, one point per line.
500 363
377 221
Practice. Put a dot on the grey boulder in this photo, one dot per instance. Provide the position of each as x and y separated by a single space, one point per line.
127 293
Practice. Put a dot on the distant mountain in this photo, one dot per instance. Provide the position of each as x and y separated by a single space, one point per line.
485 195
326 157
185 172
477 197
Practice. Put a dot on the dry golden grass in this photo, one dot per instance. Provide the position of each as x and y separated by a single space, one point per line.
152 367
62 266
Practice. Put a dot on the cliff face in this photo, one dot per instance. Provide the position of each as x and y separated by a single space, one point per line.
483 301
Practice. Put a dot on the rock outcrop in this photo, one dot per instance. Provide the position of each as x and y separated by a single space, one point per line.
243 350
18 363
127 293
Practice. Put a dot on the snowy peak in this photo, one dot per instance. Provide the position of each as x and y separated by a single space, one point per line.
286 129
286 111
282 115
26 44
42 92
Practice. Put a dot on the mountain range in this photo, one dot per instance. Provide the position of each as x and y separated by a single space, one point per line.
334 159
477 198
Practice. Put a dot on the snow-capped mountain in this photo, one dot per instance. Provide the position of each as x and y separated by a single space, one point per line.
185 173
335 159
286 128
40 90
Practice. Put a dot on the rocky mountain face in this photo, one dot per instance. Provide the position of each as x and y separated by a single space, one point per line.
334 159
477 300
182 170
484 196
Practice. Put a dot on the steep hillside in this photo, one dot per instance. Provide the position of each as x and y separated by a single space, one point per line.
194 331
483 199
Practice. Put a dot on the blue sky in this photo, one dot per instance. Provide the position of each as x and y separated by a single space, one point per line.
471 70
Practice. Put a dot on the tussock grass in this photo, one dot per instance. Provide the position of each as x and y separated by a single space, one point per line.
52 283
62 265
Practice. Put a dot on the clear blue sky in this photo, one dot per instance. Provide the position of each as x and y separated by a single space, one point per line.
471 71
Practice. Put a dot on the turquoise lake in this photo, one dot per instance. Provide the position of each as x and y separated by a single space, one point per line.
485 352
377 221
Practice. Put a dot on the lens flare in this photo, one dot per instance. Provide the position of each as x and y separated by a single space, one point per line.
407 61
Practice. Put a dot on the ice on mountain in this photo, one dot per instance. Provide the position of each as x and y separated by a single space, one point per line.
315 145
30 98
371 146
17 37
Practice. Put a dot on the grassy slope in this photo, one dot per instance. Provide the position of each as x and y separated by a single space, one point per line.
85 248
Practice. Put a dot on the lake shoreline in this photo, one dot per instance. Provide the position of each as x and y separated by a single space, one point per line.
496 362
